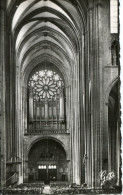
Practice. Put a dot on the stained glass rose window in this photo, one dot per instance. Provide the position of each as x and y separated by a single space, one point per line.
45 84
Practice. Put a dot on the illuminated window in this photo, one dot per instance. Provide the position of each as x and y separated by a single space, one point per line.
42 167
52 167
114 16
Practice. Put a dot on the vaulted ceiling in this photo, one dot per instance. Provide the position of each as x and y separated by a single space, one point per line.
47 31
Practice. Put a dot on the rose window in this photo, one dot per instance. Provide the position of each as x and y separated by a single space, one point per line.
45 84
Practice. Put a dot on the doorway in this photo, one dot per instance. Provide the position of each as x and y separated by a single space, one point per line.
47 173
42 173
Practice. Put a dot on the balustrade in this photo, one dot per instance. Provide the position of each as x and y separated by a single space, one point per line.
44 132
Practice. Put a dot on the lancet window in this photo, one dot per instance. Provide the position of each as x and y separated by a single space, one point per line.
45 99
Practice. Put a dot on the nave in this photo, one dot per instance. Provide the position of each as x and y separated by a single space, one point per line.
60 95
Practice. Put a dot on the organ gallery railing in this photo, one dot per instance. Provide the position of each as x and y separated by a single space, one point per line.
44 132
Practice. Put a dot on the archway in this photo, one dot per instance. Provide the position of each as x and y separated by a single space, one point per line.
47 162
114 131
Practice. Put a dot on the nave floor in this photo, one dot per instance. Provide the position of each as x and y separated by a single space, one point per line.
56 188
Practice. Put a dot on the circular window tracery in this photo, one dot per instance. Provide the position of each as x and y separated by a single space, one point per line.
45 84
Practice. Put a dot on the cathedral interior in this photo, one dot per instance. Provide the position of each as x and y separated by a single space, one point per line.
59 92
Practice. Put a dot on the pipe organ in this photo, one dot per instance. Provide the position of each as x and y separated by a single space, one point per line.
46 110
46 100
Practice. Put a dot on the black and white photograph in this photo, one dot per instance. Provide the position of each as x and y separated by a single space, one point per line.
60 97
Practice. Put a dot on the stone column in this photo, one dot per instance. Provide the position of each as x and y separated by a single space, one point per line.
25 160
82 106
24 107
88 91
20 124
75 120
118 145
97 93
69 115
68 105
8 101
2 91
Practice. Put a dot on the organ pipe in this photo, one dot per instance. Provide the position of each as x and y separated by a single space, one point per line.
38 112
31 104
46 108
61 101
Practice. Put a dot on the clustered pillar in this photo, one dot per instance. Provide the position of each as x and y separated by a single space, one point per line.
94 95
2 92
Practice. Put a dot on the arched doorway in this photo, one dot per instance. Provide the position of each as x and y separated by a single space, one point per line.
47 162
